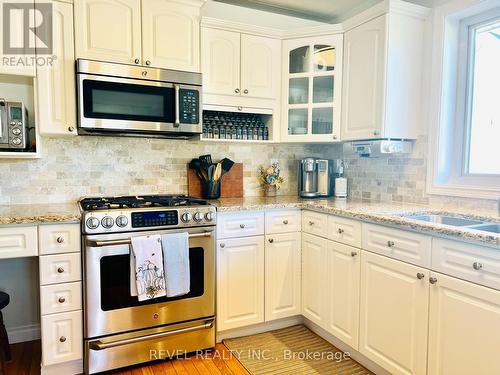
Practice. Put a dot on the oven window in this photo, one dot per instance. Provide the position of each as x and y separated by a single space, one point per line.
115 281
122 101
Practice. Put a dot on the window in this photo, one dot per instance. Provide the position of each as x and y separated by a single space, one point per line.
464 132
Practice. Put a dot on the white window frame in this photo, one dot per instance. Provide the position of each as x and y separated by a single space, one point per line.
448 132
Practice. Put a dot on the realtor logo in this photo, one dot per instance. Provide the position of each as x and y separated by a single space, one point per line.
26 28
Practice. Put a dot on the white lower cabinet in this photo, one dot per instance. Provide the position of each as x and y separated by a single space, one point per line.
314 251
343 283
464 328
240 282
62 337
282 275
394 314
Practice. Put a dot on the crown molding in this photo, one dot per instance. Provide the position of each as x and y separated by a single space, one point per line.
240 27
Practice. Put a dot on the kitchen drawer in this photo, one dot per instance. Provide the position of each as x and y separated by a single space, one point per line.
18 241
60 298
61 268
240 224
398 244
62 339
346 231
315 223
478 264
283 221
59 238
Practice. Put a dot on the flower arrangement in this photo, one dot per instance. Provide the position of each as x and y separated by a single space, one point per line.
269 177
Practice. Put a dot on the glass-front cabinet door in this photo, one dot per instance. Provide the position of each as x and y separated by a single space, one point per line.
312 88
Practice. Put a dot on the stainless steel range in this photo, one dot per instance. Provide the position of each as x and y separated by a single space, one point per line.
118 329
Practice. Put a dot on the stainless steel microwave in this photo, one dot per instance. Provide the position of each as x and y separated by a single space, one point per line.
120 99
13 125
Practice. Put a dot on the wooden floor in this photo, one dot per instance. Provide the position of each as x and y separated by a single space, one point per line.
26 361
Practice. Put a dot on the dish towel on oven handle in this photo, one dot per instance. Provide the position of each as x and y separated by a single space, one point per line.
176 263
147 276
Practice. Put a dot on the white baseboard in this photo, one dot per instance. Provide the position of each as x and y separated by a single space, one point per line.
259 328
357 356
67 368
28 332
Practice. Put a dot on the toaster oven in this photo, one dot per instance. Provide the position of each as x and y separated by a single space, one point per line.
14 123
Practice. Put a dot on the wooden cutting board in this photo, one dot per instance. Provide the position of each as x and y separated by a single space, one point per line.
231 183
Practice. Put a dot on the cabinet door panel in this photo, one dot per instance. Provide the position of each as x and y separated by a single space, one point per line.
220 61
260 66
240 282
364 76
56 84
96 37
343 272
282 281
171 35
464 328
394 314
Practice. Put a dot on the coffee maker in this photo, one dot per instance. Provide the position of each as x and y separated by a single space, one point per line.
317 177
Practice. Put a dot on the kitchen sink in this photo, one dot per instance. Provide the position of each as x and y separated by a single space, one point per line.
487 227
445 219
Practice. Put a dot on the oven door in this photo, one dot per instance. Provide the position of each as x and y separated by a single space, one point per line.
109 307
137 106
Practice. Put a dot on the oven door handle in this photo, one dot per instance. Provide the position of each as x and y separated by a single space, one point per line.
128 241
99 345
177 121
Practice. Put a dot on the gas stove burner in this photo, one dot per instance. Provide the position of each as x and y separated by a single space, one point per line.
143 201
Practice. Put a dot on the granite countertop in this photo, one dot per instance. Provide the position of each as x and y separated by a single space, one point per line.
39 213
377 212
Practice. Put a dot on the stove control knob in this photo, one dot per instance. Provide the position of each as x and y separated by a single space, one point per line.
92 222
186 217
107 222
121 221
198 216
210 216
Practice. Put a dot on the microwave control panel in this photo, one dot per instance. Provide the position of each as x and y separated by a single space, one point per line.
189 106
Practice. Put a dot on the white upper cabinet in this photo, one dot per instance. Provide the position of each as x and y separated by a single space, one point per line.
383 66
160 33
56 84
312 84
171 34
240 65
108 30
220 59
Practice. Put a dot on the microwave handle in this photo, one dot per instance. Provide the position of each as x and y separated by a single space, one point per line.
3 111
177 122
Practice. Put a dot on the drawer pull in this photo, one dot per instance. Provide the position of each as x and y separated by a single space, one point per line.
271 240
354 253
311 222
433 280
222 245
62 299
420 275
477 266
242 226
340 230
285 222
62 339
60 239
60 270
390 243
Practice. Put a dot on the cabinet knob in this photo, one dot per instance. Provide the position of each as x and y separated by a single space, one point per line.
60 239
148 62
245 91
237 91
311 223
354 253
376 132
477 266
390 243
420 275
144 73
334 136
240 108
137 61
62 339
285 222
340 230
62 299
433 280
71 129
60 270
271 240
242 226
222 245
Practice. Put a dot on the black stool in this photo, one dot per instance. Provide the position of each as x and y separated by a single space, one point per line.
4 339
